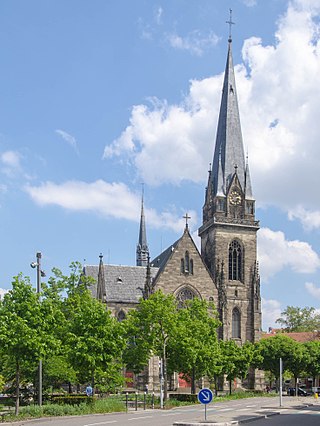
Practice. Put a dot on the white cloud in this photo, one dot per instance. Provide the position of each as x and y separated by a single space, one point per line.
3 291
309 219
158 15
313 290
276 253
279 99
71 140
271 311
3 188
108 199
249 3
11 161
195 42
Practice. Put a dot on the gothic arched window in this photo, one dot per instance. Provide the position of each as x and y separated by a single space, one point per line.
186 266
183 295
182 266
235 261
191 266
236 324
121 316
187 262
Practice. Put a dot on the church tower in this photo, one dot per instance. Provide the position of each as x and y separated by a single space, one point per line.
142 246
229 230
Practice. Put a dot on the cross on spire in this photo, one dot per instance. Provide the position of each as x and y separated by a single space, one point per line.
186 217
230 26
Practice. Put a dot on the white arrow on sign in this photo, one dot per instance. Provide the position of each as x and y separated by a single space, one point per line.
206 395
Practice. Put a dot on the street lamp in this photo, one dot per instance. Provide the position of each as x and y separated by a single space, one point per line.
40 274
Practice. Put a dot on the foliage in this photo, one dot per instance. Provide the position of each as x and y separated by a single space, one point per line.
271 350
236 360
25 329
299 319
56 371
297 360
150 328
101 405
312 365
93 338
2 383
194 349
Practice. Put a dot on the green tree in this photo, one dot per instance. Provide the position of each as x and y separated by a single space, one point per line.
296 361
149 330
25 330
271 349
236 360
93 338
299 319
194 348
312 366
57 370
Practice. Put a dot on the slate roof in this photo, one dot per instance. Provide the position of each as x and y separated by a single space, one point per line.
122 283
161 260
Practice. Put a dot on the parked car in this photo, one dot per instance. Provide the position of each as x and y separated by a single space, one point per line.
301 392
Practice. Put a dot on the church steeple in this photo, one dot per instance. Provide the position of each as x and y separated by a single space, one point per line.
229 229
101 286
142 247
229 143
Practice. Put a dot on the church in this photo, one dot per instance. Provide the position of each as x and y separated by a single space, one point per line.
226 270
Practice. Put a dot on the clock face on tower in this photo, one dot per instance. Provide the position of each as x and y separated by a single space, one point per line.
235 197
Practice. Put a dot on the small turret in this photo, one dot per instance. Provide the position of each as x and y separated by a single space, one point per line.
142 246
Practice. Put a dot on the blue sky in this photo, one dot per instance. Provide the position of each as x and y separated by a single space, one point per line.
99 96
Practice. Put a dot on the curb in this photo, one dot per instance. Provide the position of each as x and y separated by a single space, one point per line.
227 423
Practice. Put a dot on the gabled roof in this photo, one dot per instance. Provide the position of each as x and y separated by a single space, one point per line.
122 283
161 260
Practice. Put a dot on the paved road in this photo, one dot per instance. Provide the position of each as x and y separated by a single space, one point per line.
309 416
217 412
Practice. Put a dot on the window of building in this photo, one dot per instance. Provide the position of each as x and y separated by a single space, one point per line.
121 316
235 261
187 262
183 295
186 265
236 324
182 266
191 266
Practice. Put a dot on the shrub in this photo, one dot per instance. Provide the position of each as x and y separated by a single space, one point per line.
184 397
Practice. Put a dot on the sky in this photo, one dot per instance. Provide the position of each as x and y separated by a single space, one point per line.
98 97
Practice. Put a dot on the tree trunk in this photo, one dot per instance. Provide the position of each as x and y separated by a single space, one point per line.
230 386
17 388
165 377
296 385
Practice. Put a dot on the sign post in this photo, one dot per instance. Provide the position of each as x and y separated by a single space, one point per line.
205 396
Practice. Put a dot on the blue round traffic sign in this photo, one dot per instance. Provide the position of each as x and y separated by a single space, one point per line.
205 396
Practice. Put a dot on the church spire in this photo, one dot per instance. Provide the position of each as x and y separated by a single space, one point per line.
101 286
142 247
229 146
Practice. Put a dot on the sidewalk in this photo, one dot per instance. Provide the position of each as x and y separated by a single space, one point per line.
222 418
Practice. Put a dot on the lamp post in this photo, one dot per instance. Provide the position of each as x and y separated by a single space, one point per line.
40 274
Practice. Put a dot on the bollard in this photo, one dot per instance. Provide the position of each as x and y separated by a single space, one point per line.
126 401
136 402
144 400
152 400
